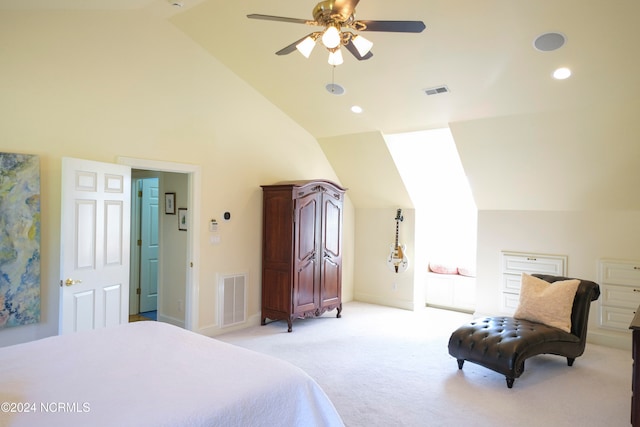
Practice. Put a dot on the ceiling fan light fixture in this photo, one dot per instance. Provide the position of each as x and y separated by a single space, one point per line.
306 46
331 37
362 45
335 57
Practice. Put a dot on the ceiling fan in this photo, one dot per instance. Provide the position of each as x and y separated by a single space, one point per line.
339 22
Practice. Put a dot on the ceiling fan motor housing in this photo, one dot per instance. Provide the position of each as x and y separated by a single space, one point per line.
324 14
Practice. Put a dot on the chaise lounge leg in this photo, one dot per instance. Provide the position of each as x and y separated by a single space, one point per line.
570 361
460 363
510 382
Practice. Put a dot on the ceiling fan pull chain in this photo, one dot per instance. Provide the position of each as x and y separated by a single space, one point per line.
333 80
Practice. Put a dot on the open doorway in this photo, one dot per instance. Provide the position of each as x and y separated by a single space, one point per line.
158 246
178 252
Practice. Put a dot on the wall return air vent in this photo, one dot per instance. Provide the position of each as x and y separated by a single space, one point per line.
436 90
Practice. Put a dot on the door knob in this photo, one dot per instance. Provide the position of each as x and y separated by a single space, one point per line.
70 282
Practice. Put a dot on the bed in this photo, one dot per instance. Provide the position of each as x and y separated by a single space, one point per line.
153 374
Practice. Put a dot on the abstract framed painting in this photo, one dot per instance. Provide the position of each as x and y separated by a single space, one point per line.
19 239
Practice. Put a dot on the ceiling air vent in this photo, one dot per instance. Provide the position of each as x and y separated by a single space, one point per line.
436 90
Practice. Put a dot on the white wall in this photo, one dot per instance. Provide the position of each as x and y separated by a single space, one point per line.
585 237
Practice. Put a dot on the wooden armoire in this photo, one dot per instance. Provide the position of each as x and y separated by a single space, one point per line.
301 250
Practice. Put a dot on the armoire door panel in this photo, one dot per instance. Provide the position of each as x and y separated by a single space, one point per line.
332 227
305 294
330 282
306 227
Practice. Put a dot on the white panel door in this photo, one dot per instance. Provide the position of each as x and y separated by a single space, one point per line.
94 245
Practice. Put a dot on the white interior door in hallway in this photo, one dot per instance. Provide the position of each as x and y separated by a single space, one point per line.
149 244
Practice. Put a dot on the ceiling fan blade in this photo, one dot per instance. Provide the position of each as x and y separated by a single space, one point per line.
345 8
351 48
281 19
292 47
394 26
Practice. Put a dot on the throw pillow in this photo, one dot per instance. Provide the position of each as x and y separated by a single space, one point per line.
547 303
442 268
467 271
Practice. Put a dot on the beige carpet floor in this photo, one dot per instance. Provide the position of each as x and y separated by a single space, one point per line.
383 366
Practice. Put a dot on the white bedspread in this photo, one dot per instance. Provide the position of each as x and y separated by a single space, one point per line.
153 374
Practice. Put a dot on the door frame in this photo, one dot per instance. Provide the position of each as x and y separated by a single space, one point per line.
193 205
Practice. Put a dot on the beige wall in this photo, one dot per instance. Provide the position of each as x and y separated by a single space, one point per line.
374 236
99 85
585 237
365 166
559 182
172 271
563 160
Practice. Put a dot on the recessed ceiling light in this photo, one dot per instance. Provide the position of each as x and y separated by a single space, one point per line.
356 109
562 73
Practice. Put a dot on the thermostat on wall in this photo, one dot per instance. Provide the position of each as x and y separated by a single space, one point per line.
226 216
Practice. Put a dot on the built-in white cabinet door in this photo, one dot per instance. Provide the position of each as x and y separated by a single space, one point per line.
620 293
516 263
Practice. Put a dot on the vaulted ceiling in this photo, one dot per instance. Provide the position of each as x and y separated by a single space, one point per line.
481 50
526 141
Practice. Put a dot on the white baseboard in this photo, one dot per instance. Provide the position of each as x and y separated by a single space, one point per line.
389 302
609 340
171 320
214 330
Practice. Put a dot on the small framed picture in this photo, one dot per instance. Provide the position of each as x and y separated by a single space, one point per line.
182 219
170 203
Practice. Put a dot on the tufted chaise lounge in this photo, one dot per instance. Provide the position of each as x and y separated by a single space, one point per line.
502 344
